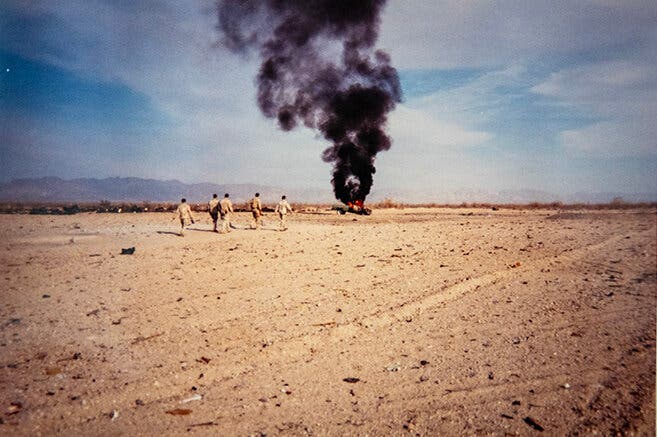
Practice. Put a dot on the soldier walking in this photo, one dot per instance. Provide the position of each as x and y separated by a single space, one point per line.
256 210
213 206
282 208
225 210
184 213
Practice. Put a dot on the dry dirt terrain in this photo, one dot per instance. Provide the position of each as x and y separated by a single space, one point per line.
409 321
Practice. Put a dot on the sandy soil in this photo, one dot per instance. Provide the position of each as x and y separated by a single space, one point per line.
433 321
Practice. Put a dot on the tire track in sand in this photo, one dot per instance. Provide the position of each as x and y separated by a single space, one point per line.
456 291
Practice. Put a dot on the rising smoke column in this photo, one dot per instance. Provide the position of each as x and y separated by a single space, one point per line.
319 68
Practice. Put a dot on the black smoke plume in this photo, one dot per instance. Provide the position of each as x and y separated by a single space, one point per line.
319 68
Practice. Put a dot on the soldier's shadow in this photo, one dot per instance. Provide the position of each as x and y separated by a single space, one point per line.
199 230
177 234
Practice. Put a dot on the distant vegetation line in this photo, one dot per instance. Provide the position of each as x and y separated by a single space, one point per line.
67 208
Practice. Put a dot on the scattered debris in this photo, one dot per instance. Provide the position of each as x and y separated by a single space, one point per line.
76 356
14 408
351 380
204 423
128 251
94 312
94 254
196 397
50 371
139 402
394 367
324 324
506 416
409 424
140 338
531 422
203 360
13 321
45 296
423 362
179 412
114 414
566 386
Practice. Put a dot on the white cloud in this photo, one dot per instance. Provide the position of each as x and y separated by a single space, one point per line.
618 93
622 94
476 101
473 33
611 139
605 86
420 130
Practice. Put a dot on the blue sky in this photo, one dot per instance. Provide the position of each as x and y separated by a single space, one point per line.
558 96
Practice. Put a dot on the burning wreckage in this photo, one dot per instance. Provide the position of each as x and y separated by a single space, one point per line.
355 207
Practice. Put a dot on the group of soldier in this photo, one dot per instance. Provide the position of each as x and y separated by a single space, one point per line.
222 209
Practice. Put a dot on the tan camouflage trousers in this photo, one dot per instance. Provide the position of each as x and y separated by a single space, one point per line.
281 221
225 224
257 220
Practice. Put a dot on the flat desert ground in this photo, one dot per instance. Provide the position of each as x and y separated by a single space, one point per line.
408 321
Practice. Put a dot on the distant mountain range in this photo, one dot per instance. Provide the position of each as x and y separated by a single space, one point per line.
52 189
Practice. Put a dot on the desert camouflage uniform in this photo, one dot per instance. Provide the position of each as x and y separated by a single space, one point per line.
282 209
184 213
256 210
214 211
226 208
